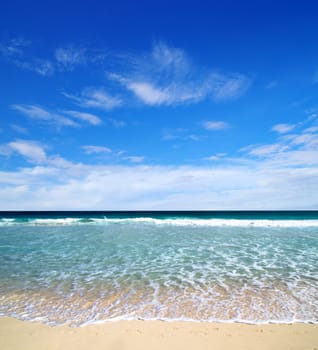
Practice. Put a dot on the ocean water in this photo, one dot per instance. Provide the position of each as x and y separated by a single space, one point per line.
87 267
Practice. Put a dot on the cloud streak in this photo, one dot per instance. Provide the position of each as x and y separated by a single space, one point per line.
40 66
14 51
90 149
87 117
14 47
70 57
31 150
63 118
290 149
166 76
283 128
42 114
213 125
95 98
135 159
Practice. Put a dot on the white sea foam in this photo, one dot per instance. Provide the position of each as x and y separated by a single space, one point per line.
64 221
168 222
5 220
220 222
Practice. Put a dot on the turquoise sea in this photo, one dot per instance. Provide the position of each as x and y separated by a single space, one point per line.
88 267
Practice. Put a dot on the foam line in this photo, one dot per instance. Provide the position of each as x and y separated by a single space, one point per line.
170 222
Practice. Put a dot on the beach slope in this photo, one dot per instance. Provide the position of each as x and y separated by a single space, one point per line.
15 334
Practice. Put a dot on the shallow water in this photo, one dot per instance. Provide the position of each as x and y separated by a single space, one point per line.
80 269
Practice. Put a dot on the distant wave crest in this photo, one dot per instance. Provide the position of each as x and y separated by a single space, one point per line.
214 222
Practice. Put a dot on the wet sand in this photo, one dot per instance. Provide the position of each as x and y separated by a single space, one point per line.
142 335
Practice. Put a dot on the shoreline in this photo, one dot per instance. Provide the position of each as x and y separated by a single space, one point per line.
16 334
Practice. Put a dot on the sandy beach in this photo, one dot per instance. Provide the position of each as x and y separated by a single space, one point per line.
15 334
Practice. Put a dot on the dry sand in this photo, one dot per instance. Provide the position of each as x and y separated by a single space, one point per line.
152 335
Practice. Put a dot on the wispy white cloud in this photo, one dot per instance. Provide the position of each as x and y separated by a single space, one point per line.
90 149
166 76
215 157
118 155
305 139
312 116
62 118
14 50
135 159
266 150
31 150
311 129
117 123
224 87
290 149
215 125
33 111
88 117
286 128
20 129
95 98
180 134
5 150
69 57
65 58
40 66
283 128
20 52
34 152
14 46
148 93
170 59
40 113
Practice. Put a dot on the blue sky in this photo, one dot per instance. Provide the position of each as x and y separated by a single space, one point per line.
162 105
